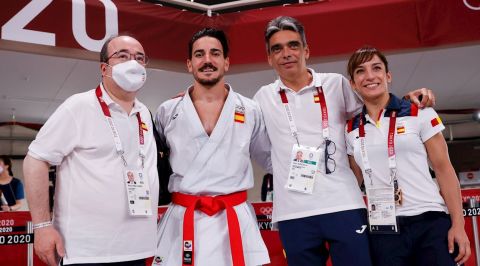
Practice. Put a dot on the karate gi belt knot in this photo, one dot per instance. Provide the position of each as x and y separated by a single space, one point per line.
212 205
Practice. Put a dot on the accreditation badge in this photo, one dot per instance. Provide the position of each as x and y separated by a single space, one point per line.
138 193
381 211
303 166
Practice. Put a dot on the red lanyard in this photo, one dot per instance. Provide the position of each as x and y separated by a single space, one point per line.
323 109
390 146
113 128
391 134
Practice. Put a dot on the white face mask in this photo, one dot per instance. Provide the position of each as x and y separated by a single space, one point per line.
130 75
1 170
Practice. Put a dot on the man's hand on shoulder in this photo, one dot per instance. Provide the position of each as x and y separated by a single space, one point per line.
422 97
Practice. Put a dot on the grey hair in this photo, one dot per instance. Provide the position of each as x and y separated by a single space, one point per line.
284 23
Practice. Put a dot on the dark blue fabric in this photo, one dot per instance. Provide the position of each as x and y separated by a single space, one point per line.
402 106
422 241
305 239
13 191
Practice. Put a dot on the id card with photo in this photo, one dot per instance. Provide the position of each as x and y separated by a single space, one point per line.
303 166
138 193
381 211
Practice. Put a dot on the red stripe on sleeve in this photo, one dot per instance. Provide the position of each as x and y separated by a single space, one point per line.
413 110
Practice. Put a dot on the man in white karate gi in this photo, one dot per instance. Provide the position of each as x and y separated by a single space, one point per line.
212 132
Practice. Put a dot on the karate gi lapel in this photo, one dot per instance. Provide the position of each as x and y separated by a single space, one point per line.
193 118
225 122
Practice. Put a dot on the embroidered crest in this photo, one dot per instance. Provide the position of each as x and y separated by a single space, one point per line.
239 114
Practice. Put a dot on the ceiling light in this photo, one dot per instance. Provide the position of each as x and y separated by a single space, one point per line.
476 116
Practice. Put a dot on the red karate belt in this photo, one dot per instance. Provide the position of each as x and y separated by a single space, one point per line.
211 205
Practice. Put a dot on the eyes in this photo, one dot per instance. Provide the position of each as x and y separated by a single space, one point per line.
201 53
277 48
375 68
124 56
358 71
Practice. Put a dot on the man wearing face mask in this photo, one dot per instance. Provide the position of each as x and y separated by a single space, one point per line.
95 139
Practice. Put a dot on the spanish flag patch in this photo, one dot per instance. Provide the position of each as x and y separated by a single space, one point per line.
316 98
144 126
436 121
400 129
239 117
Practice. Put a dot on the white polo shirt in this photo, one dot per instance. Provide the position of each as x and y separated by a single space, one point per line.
334 192
413 128
91 209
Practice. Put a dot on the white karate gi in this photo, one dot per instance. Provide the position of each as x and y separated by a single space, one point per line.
212 165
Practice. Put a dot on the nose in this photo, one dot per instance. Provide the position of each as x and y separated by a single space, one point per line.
286 52
207 58
369 74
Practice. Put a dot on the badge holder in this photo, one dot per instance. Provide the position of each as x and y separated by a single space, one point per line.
381 211
303 167
382 201
138 193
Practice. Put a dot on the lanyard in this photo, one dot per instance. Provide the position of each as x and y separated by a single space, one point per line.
291 121
113 128
392 164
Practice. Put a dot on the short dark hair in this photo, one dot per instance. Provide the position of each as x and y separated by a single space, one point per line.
362 55
284 23
209 32
104 52
6 160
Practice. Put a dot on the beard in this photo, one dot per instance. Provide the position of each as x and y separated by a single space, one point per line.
210 82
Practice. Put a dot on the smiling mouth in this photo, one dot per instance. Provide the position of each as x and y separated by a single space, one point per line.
208 68
288 63
372 85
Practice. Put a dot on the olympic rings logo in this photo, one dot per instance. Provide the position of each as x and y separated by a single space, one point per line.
266 210
476 8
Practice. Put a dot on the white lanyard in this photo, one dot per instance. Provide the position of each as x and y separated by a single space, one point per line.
392 164
113 128
323 109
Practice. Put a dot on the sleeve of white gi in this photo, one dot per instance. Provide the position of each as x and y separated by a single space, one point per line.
158 119
260 143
